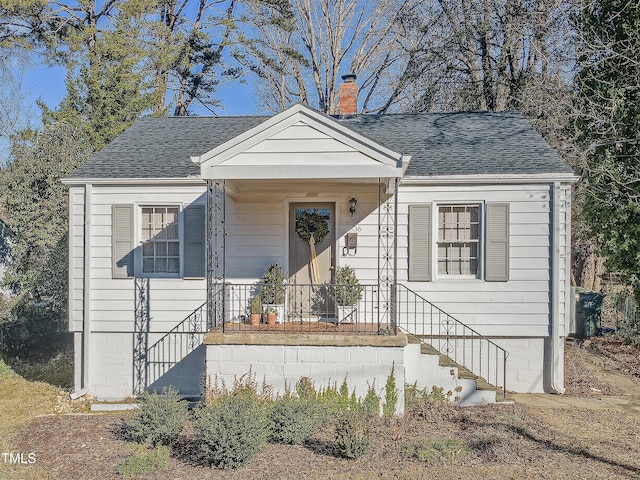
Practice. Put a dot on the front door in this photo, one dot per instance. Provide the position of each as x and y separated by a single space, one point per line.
308 272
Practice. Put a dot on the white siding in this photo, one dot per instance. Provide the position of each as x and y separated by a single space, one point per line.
518 307
565 260
257 235
300 151
257 226
113 300
76 258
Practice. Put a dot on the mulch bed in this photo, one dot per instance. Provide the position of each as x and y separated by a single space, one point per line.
504 441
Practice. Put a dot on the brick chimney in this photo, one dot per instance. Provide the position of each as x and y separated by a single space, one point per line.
348 96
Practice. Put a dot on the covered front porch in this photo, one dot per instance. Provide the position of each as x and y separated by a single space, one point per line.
309 293
304 193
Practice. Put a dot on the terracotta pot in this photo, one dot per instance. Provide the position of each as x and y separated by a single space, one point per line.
271 319
255 319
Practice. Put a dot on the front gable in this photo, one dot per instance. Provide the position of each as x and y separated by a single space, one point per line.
301 143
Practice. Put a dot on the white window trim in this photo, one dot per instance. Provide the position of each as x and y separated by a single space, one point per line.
138 239
435 208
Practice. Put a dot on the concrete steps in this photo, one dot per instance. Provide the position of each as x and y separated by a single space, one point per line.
475 390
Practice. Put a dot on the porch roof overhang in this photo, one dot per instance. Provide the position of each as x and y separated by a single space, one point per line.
301 143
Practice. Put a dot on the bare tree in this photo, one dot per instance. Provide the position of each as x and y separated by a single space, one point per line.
484 54
301 47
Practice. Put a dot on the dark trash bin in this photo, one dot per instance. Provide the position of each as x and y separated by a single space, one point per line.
588 308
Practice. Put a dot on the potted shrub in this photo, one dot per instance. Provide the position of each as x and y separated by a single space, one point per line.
273 288
256 310
271 316
346 292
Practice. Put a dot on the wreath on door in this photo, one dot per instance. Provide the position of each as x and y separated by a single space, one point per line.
311 223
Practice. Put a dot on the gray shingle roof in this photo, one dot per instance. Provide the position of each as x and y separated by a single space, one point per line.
439 144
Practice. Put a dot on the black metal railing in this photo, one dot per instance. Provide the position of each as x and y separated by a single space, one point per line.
302 308
450 337
307 308
176 344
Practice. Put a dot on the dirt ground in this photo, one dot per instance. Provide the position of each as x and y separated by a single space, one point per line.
592 431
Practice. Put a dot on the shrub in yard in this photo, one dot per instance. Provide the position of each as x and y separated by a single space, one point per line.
334 400
294 419
433 406
160 418
145 460
352 436
430 451
231 429
371 403
305 389
5 370
390 394
56 370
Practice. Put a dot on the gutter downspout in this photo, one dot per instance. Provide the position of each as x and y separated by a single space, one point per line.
86 331
556 351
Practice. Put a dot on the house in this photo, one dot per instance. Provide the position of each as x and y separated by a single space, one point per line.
457 226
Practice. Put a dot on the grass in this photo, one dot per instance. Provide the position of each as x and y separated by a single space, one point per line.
436 450
144 459
20 401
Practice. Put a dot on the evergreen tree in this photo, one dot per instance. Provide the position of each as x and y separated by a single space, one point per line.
608 96
37 205
111 89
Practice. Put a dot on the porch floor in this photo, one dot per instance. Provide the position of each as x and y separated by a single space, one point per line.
315 327
273 337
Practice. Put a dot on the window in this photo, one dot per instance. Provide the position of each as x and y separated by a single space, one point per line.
458 239
457 242
165 232
160 240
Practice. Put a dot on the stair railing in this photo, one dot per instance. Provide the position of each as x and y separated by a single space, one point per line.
450 337
176 344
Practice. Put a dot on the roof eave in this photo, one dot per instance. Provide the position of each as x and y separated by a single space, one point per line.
191 180
490 179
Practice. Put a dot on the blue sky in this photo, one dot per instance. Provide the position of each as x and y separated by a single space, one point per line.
47 84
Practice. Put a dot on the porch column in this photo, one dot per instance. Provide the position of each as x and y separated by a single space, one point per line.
387 262
215 252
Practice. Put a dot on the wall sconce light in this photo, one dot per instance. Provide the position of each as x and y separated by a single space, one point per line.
352 205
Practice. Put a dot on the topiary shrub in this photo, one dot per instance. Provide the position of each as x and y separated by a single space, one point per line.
231 429
352 436
293 419
160 418
273 288
347 289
